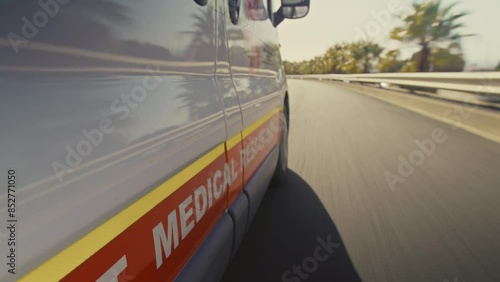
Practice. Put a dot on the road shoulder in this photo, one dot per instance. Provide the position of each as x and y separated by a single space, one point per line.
481 122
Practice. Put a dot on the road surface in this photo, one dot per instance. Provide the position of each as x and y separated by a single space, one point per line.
441 224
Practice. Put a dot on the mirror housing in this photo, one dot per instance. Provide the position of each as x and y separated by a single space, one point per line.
291 9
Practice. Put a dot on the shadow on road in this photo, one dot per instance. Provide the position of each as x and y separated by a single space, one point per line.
287 231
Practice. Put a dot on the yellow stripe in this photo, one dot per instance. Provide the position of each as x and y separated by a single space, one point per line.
260 122
231 143
66 261
235 140
70 258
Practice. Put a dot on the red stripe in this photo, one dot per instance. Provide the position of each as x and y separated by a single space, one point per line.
137 242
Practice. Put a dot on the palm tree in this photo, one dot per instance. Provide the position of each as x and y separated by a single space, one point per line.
202 39
365 52
429 24
340 59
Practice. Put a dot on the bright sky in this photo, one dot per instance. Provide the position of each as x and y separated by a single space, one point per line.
334 21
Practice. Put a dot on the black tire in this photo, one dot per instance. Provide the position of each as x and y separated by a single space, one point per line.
281 172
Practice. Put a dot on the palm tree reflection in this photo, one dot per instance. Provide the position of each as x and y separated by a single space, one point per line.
200 95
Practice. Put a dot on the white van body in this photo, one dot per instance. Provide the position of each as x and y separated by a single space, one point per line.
138 137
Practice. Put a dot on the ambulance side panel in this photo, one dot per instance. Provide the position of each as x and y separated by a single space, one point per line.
101 104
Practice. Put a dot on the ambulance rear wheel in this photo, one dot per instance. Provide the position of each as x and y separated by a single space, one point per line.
281 172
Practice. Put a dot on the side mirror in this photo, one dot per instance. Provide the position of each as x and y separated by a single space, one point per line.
291 9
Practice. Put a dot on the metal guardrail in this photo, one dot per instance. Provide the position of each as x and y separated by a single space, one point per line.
472 82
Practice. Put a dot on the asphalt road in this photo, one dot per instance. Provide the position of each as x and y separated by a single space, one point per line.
441 224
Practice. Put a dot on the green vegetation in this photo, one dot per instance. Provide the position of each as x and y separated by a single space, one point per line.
445 60
430 26
355 57
390 62
498 67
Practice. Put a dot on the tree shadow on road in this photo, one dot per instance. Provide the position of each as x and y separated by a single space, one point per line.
286 232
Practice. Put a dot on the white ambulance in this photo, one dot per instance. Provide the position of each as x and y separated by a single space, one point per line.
138 137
